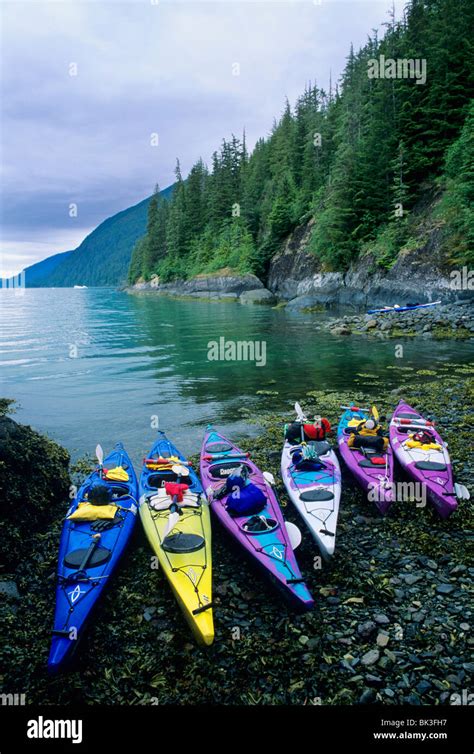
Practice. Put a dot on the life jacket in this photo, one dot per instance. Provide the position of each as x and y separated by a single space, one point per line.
243 497
424 440
310 432
317 433
174 488
87 512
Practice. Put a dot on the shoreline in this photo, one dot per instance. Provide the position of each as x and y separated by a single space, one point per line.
391 620
446 320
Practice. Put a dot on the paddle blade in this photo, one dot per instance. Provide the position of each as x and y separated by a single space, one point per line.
299 412
180 470
294 534
269 478
99 454
461 491
173 519
375 413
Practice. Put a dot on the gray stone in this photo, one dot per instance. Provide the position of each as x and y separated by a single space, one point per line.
445 588
9 589
370 657
367 696
366 629
258 296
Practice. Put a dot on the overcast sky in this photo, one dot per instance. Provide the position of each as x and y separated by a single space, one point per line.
144 68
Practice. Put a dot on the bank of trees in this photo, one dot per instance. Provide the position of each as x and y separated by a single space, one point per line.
357 157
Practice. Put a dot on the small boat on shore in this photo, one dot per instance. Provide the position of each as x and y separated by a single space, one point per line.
407 308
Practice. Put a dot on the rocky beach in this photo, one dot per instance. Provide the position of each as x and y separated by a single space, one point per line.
393 617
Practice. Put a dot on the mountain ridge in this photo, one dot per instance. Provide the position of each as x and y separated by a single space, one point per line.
101 259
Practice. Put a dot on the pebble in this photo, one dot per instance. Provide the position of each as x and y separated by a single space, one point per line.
365 630
423 686
411 579
373 680
370 657
367 696
9 589
381 619
445 588
383 640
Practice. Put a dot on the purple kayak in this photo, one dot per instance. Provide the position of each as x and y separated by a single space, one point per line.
372 469
425 458
264 536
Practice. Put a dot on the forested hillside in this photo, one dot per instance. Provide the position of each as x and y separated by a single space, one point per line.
103 258
357 157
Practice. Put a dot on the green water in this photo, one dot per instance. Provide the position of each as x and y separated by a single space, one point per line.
98 365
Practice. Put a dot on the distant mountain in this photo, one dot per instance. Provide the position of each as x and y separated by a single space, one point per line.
37 273
102 258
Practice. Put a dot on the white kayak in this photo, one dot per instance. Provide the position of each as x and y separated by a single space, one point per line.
315 490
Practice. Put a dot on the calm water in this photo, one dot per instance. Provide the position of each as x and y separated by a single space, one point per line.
96 365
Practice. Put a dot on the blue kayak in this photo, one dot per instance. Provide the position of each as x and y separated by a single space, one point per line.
407 308
90 550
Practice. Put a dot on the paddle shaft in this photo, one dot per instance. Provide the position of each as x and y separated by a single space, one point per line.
88 555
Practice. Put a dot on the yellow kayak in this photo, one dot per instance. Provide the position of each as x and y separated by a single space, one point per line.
176 519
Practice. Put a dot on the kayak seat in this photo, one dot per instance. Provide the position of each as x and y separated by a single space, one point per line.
182 543
224 469
316 496
158 480
259 525
430 466
321 446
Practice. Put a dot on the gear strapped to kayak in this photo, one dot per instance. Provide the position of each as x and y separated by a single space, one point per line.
177 523
312 477
261 530
94 536
424 456
242 497
366 450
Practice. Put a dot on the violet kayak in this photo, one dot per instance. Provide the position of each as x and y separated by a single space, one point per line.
264 536
425 458
372 468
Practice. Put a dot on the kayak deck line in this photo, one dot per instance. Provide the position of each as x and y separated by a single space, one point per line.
273 554
187 569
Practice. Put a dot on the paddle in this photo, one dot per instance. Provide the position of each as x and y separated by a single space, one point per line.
355 408
100 457
175 514
461 491
301 418
294 534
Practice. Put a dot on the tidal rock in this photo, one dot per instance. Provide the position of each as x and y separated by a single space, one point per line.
370 657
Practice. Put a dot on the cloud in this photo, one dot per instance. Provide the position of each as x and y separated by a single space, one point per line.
144 68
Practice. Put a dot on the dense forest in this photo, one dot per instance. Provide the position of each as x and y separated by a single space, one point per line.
357 158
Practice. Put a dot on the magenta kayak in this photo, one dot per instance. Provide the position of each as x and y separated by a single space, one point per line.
423 454
372 467
264 536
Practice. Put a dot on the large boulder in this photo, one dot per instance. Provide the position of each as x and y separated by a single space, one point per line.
34 484
259 296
